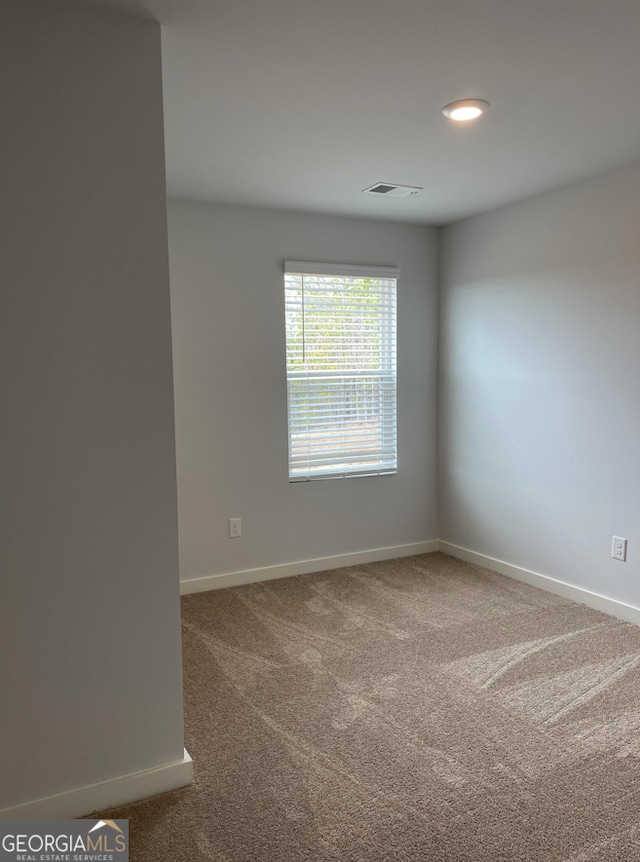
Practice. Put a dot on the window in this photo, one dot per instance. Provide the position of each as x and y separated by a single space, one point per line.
341 370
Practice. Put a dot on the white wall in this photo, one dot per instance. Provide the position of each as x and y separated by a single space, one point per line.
227 298
90 675
540 402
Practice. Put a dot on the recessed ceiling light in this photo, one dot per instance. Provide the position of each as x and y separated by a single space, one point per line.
465 109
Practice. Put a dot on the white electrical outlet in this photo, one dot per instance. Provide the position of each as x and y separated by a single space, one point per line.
619 548
235 527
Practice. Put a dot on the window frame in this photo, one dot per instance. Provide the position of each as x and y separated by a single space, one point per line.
386 377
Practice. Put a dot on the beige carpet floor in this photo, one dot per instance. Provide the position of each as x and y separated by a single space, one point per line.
415 709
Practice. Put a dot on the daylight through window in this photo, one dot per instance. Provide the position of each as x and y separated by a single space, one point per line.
341 370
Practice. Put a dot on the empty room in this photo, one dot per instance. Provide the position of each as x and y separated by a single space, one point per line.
319 345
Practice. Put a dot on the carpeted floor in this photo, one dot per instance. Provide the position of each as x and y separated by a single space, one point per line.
415 709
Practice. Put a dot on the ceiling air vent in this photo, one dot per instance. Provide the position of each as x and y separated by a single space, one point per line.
391 190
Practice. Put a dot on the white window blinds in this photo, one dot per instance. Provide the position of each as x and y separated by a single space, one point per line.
341 370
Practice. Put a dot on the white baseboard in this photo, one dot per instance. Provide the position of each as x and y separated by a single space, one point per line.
568 591
320 564
107 794
304 567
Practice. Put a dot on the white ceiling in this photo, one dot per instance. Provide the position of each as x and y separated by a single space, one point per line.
301 105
